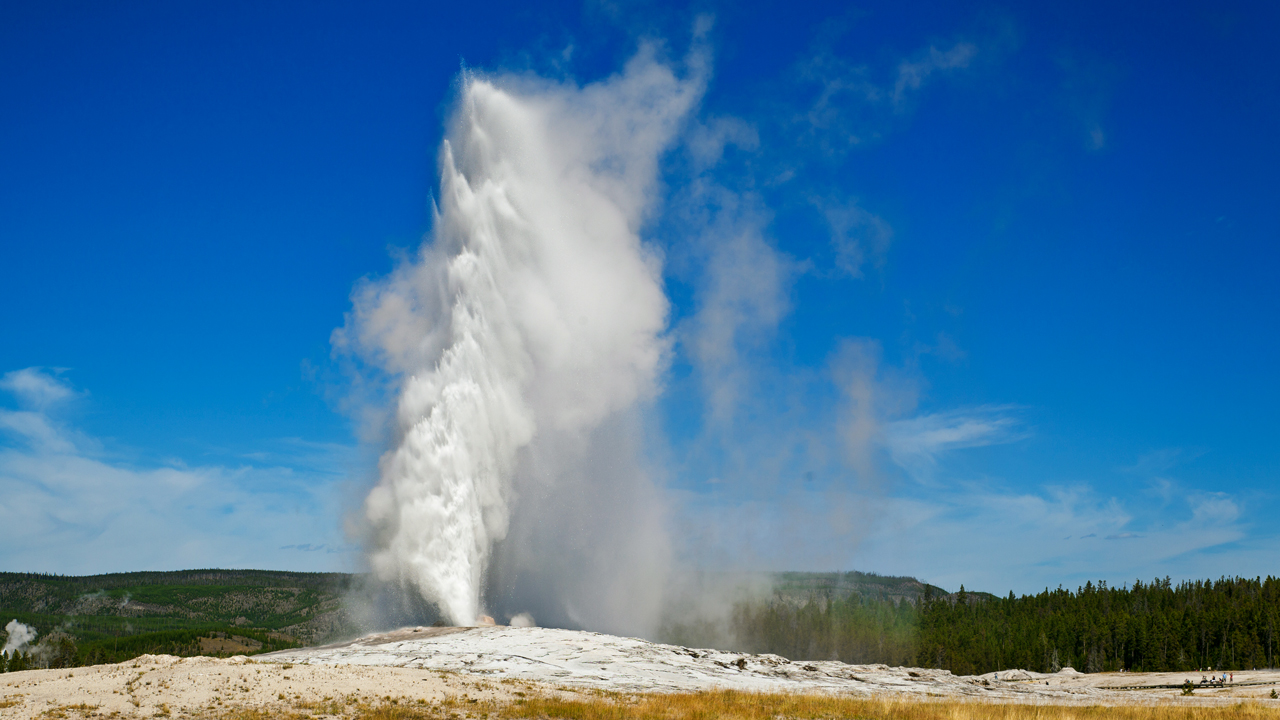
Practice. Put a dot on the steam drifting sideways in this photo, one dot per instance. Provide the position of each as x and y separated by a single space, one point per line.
525 338
18 636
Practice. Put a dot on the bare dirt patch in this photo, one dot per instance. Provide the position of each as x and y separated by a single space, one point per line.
221 644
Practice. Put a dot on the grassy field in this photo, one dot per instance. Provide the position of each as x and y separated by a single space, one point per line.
747 706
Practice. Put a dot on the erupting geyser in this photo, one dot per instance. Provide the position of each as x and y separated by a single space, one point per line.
533 315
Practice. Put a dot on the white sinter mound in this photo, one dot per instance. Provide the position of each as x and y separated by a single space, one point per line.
594 660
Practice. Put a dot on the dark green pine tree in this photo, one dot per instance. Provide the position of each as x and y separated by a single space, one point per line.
1226 624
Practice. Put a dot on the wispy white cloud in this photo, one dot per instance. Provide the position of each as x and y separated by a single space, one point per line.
308 547
995 539
981 533
65 506
706 140
913 73
997 535
916 443
856 104
944 347
1213 508
1158 463
34 428
36 387
880 415
858 236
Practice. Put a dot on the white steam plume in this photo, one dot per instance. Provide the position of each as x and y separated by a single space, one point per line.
525 334
20 635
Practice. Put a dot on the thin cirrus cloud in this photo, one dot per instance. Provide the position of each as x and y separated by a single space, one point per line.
917 443
852 106
68 506
997 535
858 237
997 539
913 73
36 388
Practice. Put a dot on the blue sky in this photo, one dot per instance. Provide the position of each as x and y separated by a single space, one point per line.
994 305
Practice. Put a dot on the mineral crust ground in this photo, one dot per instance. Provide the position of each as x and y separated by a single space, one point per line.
575 659
453 667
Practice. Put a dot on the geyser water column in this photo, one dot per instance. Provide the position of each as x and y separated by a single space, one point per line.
533 313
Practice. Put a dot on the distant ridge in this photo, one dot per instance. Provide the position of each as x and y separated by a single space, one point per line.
207 576
115 616
801 586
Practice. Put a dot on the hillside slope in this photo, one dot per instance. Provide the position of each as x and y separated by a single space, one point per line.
212 612
803 586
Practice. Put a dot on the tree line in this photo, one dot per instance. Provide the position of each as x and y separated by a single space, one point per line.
1227 624
60 653
853 629
16 661
59 650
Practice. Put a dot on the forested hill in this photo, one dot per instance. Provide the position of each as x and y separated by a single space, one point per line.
62 584
1228 624
802 586
113 617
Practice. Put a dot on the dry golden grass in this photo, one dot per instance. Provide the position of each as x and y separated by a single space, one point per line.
740 706
62 712
752 706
